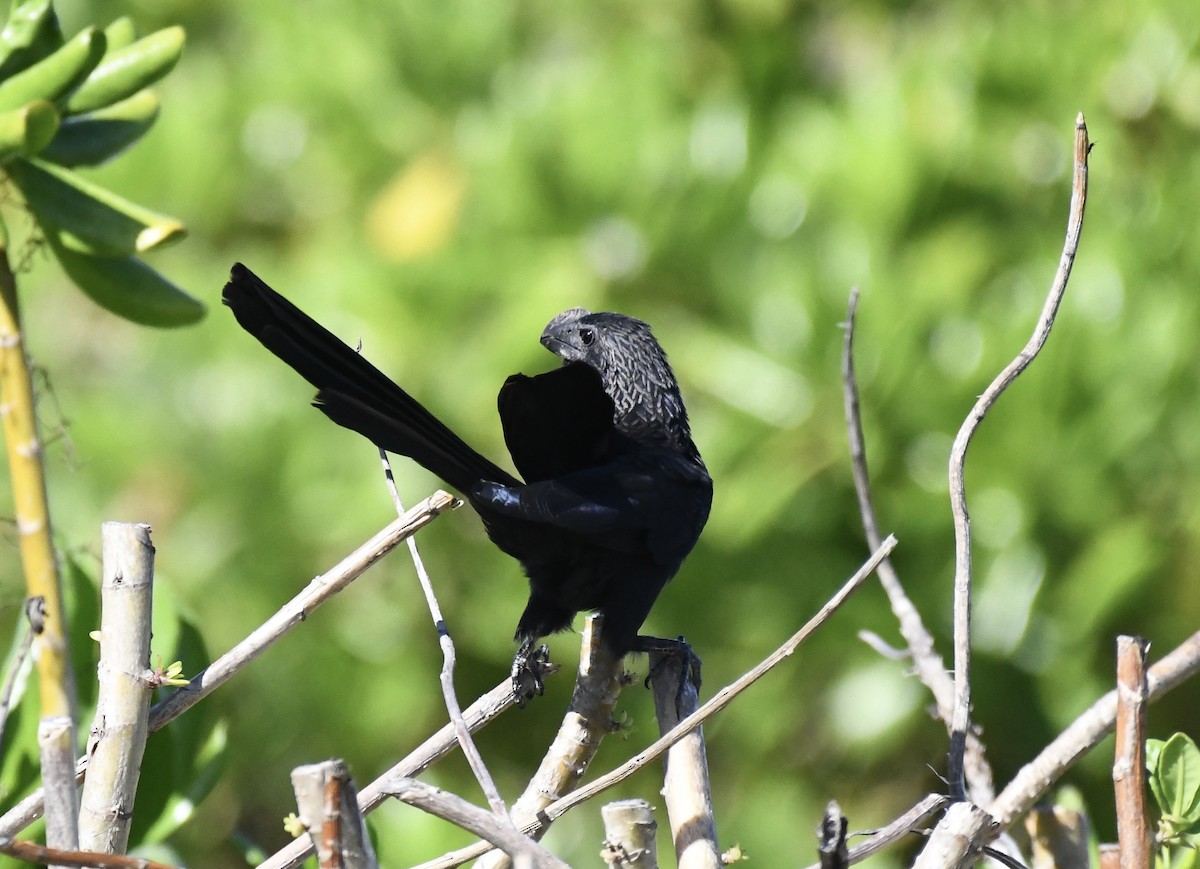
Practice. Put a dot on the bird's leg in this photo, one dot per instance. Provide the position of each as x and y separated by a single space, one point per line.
675 648
529 669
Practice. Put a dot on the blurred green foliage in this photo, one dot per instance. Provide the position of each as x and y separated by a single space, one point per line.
440 178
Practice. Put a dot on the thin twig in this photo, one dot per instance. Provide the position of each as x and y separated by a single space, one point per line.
928 665
287 617
300 607
961 719
33 607
884 837
719 701
1085 732
458 811
449 659
1129 766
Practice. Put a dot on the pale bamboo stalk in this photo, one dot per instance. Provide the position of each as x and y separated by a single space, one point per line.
118 737
18 416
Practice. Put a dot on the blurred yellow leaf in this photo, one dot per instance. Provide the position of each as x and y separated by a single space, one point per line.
417 212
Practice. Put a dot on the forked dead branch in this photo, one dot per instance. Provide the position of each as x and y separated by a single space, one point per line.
961 835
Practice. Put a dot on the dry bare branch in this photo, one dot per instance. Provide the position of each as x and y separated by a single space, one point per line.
327 804
1129 765
35 609
589 718
629 829
458 811
477 715
54 737
300 607
1110 855
1085 732
958 839
961 719
722 699
686 789
928 665
884 837
289 616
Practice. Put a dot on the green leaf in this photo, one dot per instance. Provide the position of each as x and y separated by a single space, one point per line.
1178 772
92 138
31 33
28 130
197 769
88 218
129 288
126 71
55 77
120 33
1154 749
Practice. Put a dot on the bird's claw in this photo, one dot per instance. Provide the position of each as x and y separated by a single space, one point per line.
529 670
678 649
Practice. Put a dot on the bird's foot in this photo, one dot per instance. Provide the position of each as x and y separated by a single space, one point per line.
529 670
673 650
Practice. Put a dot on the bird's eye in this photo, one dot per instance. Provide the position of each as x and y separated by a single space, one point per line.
587 336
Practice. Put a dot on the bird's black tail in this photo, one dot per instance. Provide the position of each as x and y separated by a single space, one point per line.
351 391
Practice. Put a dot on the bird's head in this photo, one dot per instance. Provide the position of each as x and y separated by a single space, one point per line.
572 335
597 339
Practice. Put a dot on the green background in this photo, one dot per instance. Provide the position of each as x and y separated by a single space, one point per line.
440 178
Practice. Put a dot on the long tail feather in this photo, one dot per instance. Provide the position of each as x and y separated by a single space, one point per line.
351 391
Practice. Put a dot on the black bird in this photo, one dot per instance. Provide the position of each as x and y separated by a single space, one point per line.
614 494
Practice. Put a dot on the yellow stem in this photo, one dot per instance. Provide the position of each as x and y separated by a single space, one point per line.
55 678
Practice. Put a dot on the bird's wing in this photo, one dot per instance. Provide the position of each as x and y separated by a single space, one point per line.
656 497
556 423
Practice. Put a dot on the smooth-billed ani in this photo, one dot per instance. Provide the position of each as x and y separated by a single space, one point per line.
613 494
